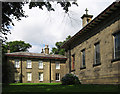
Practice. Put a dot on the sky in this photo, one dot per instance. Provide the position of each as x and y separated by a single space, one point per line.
42 27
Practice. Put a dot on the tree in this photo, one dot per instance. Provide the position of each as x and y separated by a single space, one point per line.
15 46
58 49
14 10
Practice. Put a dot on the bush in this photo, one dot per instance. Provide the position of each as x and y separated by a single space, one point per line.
70 79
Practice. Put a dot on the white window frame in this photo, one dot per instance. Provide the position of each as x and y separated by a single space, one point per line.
29 64
57 65
17 63
40 76
59 76
40 64
29 76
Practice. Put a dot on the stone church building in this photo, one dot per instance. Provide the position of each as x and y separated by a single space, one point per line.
93 53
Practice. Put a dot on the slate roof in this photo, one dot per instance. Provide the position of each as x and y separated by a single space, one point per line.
115 6
36 55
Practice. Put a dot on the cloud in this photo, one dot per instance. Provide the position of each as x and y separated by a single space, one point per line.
43 27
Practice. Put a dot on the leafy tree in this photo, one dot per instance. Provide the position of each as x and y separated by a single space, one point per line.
58 49
14 10
16 46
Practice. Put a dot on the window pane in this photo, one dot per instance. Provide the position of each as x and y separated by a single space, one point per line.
83 58
97 53
40 64
17 63
29 76
73 62
29 64
117 46
57 77
40 76
57 65
17 76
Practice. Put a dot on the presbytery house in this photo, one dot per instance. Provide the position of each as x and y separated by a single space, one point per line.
26 67
93 53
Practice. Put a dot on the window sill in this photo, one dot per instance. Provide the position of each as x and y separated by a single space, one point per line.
17 68
96 64
117 59
41 80
28 81
82 68
28 68
72 70
57 80
40 68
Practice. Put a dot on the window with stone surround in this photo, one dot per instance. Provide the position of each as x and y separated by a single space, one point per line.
40 64
17 63
40 76
117 45
57 76
29 64
73 62
83 59
17 76
97 54
57 65
29 76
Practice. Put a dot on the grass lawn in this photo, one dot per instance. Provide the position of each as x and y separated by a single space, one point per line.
57 87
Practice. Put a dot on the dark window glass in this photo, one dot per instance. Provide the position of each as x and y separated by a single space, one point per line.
83 58
97 53
117 46
57 77
73 62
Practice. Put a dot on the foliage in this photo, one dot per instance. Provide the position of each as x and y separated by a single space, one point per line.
58 49
14 10
15 46
70 79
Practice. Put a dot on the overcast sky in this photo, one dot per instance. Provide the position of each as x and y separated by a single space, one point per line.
42 27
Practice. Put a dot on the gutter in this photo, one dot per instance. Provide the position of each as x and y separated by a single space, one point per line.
41 57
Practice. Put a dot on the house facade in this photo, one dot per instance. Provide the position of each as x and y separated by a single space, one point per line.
26 67
94 52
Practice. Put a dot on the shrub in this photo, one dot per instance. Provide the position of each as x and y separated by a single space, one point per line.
70 79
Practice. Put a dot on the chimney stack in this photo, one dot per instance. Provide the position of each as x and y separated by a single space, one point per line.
86 18
46 49
42 51
8 51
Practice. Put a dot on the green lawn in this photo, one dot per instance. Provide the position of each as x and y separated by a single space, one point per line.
57 87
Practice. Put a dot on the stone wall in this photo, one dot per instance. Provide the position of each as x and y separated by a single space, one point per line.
107 72
35 70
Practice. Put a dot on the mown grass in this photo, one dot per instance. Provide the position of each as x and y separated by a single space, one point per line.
57 87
